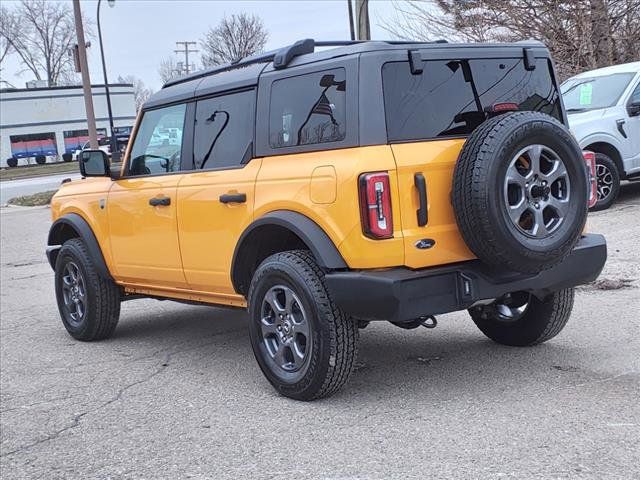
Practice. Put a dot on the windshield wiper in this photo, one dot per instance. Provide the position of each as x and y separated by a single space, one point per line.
573 110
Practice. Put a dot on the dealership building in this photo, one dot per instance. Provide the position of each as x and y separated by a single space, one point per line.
52 121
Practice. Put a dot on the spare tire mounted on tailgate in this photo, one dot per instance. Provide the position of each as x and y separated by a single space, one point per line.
519 192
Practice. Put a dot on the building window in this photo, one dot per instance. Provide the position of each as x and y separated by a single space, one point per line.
33 144
308 109
76 139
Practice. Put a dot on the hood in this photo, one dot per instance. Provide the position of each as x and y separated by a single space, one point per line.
580 118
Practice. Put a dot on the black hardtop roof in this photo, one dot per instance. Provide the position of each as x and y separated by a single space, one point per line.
246 72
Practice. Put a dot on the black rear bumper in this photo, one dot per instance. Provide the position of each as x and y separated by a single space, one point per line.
401 294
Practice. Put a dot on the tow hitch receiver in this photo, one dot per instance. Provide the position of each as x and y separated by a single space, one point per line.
428 321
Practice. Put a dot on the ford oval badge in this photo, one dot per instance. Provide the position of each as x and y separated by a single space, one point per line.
425 243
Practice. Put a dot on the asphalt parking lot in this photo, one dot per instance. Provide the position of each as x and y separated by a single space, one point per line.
176 392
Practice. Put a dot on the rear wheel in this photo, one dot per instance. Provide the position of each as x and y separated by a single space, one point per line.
520 319
304 344
608 178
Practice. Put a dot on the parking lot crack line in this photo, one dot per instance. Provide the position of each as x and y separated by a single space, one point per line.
77 418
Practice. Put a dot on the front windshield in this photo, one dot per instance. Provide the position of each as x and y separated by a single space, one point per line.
581 94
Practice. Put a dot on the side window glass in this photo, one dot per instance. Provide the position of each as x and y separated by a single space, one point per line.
308 109
224 130
158 143
635 96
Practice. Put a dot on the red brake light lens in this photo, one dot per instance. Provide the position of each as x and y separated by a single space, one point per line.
375 205
504 107
592 185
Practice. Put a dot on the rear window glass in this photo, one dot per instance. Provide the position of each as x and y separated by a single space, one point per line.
453 97
308 109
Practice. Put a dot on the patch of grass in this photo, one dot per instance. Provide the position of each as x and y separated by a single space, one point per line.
26 171
35 200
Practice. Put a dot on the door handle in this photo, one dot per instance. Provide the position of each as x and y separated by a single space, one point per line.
233 198
421 185
160 201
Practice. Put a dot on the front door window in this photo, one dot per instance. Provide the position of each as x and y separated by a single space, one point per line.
158 142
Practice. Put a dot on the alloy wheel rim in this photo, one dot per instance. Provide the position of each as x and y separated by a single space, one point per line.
285 329
74 293
604 181
537 191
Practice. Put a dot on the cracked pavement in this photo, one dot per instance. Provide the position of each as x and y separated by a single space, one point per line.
176 392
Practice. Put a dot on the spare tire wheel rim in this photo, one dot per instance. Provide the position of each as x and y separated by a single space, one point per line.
537 191
605 181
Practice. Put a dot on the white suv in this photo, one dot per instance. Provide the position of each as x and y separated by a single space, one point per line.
603 107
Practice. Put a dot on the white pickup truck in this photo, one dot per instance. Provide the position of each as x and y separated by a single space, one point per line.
603 107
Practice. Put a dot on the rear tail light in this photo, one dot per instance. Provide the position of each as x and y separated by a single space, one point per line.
375 205
503 107
592 183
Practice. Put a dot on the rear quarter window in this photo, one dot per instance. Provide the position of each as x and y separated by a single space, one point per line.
452 98
308 109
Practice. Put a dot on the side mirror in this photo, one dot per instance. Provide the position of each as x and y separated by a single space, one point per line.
94 163
327 80
633 109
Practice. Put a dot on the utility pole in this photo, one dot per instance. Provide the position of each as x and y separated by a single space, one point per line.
86 80
186 50
115 152
351 29
362 19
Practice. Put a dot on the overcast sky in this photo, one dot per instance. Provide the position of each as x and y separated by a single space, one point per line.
138 34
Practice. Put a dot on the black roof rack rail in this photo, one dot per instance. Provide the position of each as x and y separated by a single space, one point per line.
283 56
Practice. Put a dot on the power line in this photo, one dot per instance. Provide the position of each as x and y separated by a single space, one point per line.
186 51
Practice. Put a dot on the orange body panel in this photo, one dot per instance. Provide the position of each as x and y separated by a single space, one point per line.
436 160
208 229
184 250
144 238
285 183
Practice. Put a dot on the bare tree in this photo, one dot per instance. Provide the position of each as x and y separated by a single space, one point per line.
169 69
581 34
234 38
41 33
140 91
6 21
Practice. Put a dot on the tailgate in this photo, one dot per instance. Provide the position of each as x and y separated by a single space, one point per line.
439 241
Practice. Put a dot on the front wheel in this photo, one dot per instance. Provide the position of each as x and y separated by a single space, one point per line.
304 344
89 305
608 178
520 319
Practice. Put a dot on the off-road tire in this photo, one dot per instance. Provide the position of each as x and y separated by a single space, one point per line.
541 321
478 188
103 295
334 345
604 160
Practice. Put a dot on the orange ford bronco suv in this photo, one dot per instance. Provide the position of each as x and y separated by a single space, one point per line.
325 189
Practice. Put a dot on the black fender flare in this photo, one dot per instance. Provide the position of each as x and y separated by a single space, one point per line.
59 233
311 234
